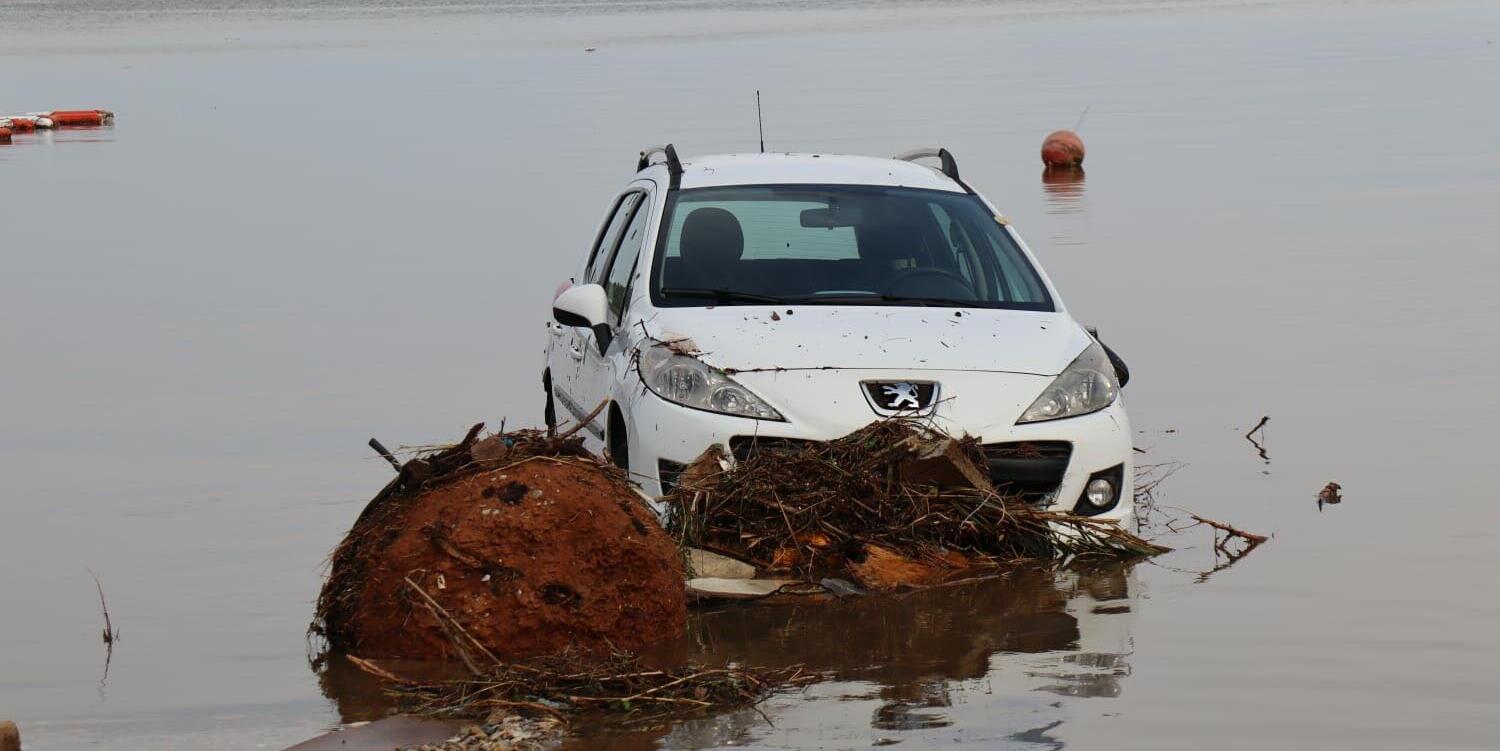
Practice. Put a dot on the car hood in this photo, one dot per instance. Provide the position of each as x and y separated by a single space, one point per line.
759 338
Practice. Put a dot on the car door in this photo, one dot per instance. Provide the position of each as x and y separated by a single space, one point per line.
567 345
599 371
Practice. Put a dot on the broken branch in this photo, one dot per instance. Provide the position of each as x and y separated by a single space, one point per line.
585 421
1249 537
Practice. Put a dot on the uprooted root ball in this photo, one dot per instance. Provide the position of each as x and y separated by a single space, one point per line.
503 548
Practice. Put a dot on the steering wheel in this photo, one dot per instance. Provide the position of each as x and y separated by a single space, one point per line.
940 283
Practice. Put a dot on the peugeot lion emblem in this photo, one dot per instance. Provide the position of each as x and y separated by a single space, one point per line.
900 397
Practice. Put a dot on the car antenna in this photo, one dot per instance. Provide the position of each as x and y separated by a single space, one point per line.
760 122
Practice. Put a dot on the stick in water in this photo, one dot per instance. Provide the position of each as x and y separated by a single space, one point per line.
385 452
110 634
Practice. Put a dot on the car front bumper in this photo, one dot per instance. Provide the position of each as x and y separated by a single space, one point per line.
823 405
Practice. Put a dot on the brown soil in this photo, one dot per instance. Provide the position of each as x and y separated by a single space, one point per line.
530 559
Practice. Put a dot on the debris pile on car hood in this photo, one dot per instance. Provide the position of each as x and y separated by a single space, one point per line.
891 505
502 548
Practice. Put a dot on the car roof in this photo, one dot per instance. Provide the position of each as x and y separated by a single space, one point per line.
716 170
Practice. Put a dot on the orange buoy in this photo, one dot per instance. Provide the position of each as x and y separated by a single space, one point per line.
18 124
4 135
80 118
1062 149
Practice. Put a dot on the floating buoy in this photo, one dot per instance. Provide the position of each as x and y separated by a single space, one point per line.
80 118
4 135
18 124
27 123
1062 149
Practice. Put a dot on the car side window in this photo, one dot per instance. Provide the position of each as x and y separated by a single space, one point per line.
610 237
617 286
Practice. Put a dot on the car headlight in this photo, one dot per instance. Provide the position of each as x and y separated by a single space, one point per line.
1086 385
687 381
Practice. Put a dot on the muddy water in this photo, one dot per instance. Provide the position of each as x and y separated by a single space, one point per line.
316 223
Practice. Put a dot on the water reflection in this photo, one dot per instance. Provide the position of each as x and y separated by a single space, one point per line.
1064 189
905 659
359 697
1064 632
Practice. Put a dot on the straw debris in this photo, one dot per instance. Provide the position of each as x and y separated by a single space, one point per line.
567 685
895 491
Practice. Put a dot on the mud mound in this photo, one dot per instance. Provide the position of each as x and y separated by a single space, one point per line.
510 547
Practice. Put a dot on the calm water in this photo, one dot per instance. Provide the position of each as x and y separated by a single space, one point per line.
315 223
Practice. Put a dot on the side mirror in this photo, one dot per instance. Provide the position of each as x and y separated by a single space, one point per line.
1122 372
585 306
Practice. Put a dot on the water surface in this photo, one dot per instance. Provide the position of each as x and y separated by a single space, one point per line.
314 223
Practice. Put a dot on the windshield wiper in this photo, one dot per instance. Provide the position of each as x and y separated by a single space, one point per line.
877 299
719 295
937 301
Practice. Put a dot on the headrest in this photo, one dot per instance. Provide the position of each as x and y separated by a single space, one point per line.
712 234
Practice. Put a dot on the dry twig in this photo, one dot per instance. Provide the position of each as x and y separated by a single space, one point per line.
781 506
568 684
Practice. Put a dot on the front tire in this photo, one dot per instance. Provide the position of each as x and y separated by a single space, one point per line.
619 440
549 410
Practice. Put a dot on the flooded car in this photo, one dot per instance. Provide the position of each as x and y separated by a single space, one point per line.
754 298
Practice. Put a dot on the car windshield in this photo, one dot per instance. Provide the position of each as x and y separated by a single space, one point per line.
839 245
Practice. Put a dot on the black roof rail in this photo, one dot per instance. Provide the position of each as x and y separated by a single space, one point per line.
950 165
674 165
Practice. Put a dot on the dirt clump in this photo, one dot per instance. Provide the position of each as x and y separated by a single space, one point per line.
505 548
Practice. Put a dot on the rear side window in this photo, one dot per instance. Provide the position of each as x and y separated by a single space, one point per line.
617 283
605 243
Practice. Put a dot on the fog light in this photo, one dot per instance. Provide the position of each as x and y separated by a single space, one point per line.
1100 492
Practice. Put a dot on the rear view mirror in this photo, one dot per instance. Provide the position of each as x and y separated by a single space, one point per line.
833 216
1122 371
585 306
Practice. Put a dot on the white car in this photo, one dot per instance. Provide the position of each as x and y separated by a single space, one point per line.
752 299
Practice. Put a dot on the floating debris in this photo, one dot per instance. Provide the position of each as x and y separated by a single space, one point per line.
10 736
567 684
893 505
503 732
1259 443
1225 538
1330 494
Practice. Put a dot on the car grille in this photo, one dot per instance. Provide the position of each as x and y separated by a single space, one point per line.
669 473
742 446
1032 469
